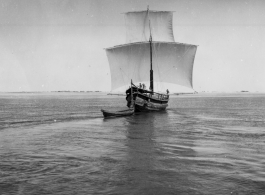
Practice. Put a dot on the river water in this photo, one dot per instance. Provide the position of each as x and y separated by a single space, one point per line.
59 143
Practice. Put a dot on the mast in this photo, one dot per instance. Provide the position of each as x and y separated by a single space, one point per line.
132 104
131 60
151 65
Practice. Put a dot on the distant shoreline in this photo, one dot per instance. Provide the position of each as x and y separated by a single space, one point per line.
56 92
122 93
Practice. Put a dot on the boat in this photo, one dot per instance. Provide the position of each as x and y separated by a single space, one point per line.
118 113
113 112
150 54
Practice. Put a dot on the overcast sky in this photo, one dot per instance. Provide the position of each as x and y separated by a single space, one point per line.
58 44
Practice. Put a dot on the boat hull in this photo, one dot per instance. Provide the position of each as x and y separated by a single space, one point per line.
147 103
117 113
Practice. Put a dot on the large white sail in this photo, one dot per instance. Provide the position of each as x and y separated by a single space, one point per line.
137 26
172 63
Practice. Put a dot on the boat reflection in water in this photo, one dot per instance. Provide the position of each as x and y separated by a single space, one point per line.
151 162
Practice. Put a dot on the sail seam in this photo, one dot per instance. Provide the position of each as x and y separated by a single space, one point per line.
146 42
149 11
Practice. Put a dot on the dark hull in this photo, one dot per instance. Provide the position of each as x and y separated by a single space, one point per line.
147 102
117 113
142 105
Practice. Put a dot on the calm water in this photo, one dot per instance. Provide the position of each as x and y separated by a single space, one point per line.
60 144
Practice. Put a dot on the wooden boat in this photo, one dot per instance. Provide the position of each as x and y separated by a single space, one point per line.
145 100
117 113
150 48
121 112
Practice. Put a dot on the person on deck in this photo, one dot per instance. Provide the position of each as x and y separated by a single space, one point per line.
167 91
143 86
140 85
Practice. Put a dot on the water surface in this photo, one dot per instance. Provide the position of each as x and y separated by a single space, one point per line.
61 144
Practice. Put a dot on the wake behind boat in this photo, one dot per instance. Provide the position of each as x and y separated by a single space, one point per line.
150 52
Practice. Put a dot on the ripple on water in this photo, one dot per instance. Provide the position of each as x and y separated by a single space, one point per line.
200 145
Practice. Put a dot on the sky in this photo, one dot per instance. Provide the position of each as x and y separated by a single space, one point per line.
57 45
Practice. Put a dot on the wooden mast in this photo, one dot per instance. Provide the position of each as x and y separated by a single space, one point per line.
132 104
151 65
